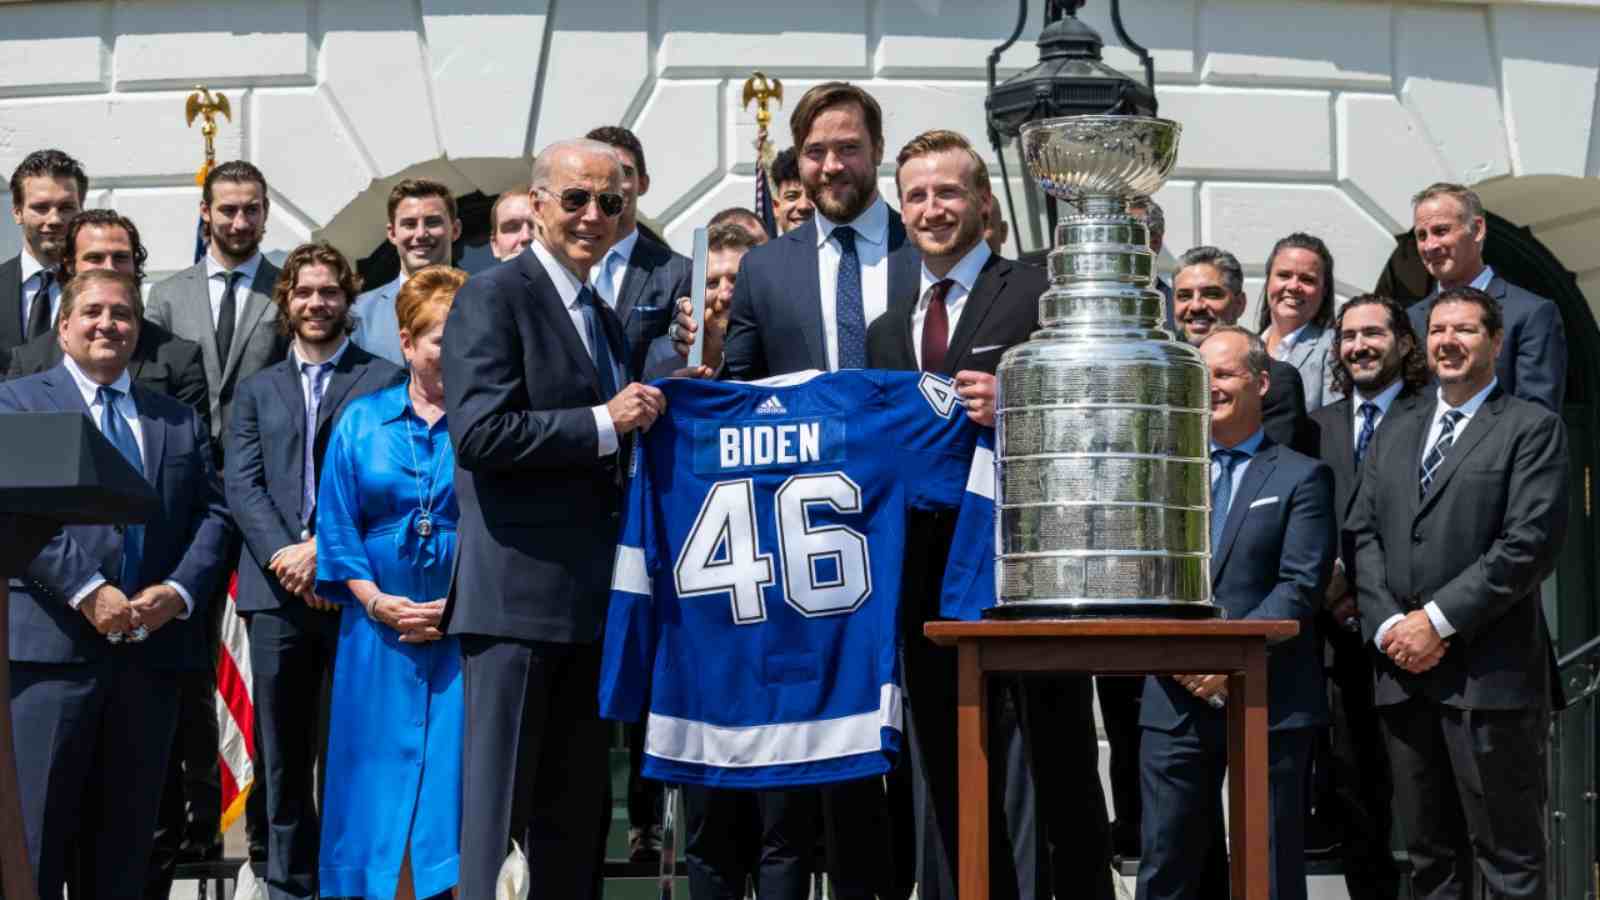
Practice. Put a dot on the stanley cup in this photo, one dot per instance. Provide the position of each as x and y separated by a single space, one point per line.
1104 418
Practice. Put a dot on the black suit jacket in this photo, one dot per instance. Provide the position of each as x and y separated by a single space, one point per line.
1283 410
1336 445
1533 360
161 361
187 541
775 323
540 507
1272 562
1001 311
11 335
1478 545
655 278
265 459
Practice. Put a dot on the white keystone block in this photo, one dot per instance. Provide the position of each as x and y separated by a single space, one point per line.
1250 132
949 38
114 137
678 129
372 64
1446 77
1384 154
166 218
1247 219
1548 67
308 158
177 43
1318 43
733 37
599 62
484 69
51 47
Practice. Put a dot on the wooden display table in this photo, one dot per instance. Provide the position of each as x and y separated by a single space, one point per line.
1120 647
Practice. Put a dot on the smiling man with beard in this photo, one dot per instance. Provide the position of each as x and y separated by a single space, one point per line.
1208 292
423 229
224 302
282 419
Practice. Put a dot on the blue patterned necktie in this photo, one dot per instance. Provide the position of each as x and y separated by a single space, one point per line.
1435 457
308 474
849 314
599 341
1222 492
116 430
1369 418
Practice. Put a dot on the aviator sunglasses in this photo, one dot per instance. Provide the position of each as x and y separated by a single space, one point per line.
575 199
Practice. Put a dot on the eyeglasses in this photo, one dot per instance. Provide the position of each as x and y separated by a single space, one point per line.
575 199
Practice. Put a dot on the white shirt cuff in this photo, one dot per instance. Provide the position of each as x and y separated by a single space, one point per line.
1383 629
188 601
606 429
1440 623
82 593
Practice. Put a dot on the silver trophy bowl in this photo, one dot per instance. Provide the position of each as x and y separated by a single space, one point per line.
1104 418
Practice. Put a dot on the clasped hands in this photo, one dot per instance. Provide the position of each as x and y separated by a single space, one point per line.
295 567
120 618
1413 643
1211 688
418 623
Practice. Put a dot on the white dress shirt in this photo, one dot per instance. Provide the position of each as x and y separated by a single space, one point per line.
304 374
31 269
1467 411
1286 343
90 390
607 276
217 283
568 286
963 275
1383 401
872 249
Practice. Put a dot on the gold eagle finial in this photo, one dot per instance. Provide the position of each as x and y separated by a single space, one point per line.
205 105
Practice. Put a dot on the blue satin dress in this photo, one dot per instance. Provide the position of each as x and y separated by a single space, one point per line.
394 741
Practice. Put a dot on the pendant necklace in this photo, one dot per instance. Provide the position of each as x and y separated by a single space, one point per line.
424 523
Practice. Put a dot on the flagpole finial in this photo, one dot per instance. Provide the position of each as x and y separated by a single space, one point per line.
205 105
762 90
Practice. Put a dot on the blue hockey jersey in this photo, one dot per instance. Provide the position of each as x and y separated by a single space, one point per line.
757 583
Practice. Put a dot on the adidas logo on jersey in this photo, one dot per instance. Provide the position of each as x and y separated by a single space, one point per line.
771 406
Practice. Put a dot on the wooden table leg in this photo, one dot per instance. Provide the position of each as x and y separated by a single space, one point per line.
1248 803
973 747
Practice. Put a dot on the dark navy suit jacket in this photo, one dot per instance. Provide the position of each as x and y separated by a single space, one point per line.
265 461
188 541
1272 562
540 507
1533 360
775 324
656 277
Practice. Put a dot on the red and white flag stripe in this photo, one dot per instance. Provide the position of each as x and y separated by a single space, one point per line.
236 711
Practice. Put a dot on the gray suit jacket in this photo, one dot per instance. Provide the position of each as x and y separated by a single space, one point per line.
182 305
377 325
1479 545
1309 356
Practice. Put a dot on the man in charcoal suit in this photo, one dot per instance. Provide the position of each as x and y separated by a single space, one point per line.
1462 512
107 618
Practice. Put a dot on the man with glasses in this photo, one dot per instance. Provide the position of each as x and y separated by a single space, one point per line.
540 397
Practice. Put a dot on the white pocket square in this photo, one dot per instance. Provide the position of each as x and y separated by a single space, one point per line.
1264 501
987 347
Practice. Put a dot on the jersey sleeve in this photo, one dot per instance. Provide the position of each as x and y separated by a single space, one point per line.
630 642
928 425
968 587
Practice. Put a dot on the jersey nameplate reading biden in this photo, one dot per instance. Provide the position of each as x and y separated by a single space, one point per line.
757 583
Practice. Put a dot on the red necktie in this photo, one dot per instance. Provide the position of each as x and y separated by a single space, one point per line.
936 327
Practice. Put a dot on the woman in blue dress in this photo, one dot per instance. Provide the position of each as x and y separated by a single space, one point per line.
386 539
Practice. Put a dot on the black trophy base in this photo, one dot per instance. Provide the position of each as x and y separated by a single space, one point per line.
1101 609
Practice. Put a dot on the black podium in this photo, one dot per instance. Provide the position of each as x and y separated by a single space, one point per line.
55 470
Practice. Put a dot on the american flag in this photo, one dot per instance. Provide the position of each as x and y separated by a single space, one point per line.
764 200
236 712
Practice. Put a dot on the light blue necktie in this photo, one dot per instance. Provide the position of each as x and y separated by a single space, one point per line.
848 311
599 341
308 473
1222 492
116 430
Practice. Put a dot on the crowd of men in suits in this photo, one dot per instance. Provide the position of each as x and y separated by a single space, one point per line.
1391 478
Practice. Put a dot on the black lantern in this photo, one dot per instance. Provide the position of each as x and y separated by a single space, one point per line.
1070 79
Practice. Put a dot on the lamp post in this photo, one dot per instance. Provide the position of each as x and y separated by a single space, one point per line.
1070 79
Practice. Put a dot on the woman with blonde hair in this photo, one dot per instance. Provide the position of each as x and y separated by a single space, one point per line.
386 539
